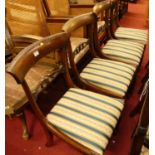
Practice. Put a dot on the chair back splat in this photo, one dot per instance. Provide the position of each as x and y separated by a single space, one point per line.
114 17
102 11
86 21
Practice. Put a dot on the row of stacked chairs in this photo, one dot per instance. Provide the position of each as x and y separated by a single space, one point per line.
59 40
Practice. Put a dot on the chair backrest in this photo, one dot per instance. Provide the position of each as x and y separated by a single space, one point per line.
86 21
34 52
102 10
114 17
89 22
57 7
26 17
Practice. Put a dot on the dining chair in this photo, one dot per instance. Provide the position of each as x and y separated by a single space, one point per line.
84 119
120 50
119 32
99 74
39 77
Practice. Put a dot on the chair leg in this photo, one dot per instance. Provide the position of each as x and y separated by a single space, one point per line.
26 134
49 138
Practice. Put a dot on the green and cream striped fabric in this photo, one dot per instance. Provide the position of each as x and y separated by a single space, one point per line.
124 51
132 34
101 28
79 47
110 75
86 117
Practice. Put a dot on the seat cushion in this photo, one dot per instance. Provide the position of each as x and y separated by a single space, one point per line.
86 117
110 75
132 34
37 78
79 47
101 29
124 51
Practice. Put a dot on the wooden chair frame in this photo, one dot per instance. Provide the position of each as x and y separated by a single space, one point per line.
111 10
14 44
26 59
104 9
89 21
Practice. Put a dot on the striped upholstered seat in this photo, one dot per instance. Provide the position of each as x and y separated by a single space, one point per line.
124 51
110 75
79 47
101 28
86 117
132 34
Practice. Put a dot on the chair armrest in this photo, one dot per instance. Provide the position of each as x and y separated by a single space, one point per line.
21 41
59 19
25 38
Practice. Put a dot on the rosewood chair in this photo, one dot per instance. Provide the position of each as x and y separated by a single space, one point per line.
100 75
39 77
119 50
82 118
119 32
141 132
